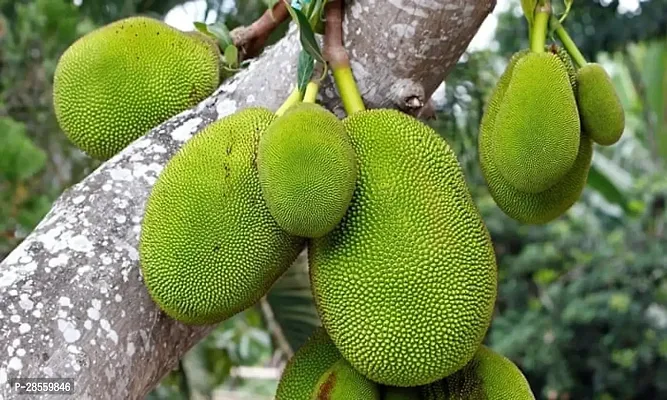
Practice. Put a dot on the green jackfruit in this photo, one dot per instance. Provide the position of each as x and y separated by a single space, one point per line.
401 393
602 115
537 126
209 247
564 57
115 83
304 370
405 284
307 170
488 376
342 382
533 208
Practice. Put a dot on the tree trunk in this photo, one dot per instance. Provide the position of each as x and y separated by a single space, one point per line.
72 301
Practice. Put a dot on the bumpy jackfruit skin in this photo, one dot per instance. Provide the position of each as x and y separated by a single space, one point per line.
488 376
400 393
209 247
115 83
304 370
537 126
564 57
602 115
307 170
405 284
529 208
342 382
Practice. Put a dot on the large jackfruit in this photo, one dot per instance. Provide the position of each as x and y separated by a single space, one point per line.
537 126
115 83
602 115
317 371
488 376
405 284
307 170
534 208
209 247
342 382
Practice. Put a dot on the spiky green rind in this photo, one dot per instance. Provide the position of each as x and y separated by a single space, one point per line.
411 259
304 370
565 58
307 170
601 111
209 247
115 83
342 382
537 126
400 393
488 376
532 208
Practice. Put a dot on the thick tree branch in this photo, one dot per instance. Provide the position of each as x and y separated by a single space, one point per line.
72 303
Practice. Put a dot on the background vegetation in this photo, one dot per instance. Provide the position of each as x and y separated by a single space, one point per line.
581 306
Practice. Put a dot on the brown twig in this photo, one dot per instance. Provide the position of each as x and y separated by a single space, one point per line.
334 51
251 39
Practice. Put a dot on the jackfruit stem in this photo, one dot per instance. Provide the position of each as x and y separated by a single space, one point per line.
338 59
311 92
538 36
568 43
292 99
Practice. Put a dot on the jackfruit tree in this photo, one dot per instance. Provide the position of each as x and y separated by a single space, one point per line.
94 253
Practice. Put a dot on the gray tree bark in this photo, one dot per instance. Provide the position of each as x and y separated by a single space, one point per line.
72 303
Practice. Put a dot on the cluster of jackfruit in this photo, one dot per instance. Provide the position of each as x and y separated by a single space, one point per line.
536 137
402 266
114 84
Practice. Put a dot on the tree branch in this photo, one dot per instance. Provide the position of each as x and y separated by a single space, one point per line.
250 39
73 303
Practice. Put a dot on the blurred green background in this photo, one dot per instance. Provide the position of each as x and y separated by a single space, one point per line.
582 300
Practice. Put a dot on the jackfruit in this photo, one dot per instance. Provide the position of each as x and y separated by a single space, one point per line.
405 284
602 115
537 126
564 57
342 382
488 376
114 84
533 208
303 371
307 170
209 247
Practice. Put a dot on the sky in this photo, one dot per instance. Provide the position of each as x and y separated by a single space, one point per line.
183 16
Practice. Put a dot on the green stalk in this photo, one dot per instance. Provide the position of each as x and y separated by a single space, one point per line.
349 92
294 98
311 92
568 43
538 35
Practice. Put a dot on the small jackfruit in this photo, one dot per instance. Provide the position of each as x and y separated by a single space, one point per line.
533 208
317 371
307 170
412 258
602 115
537 126
488 376
114 84
209 247
342 382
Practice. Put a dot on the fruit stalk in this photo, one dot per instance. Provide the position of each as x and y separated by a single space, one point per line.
338 59
539 31
313 87
292 99
568 43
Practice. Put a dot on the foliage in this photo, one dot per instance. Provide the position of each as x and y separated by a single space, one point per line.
581 305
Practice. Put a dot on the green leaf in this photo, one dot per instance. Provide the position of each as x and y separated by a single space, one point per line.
220 31
306 35
292 303
601 183
20 158
232 56
304 70
529 7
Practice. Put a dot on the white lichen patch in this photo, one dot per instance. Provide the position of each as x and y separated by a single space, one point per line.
225 107
185 131
80 243
25 303
120 174
24 328
58 261
15 364
403 30
79 199
412 8
64 302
